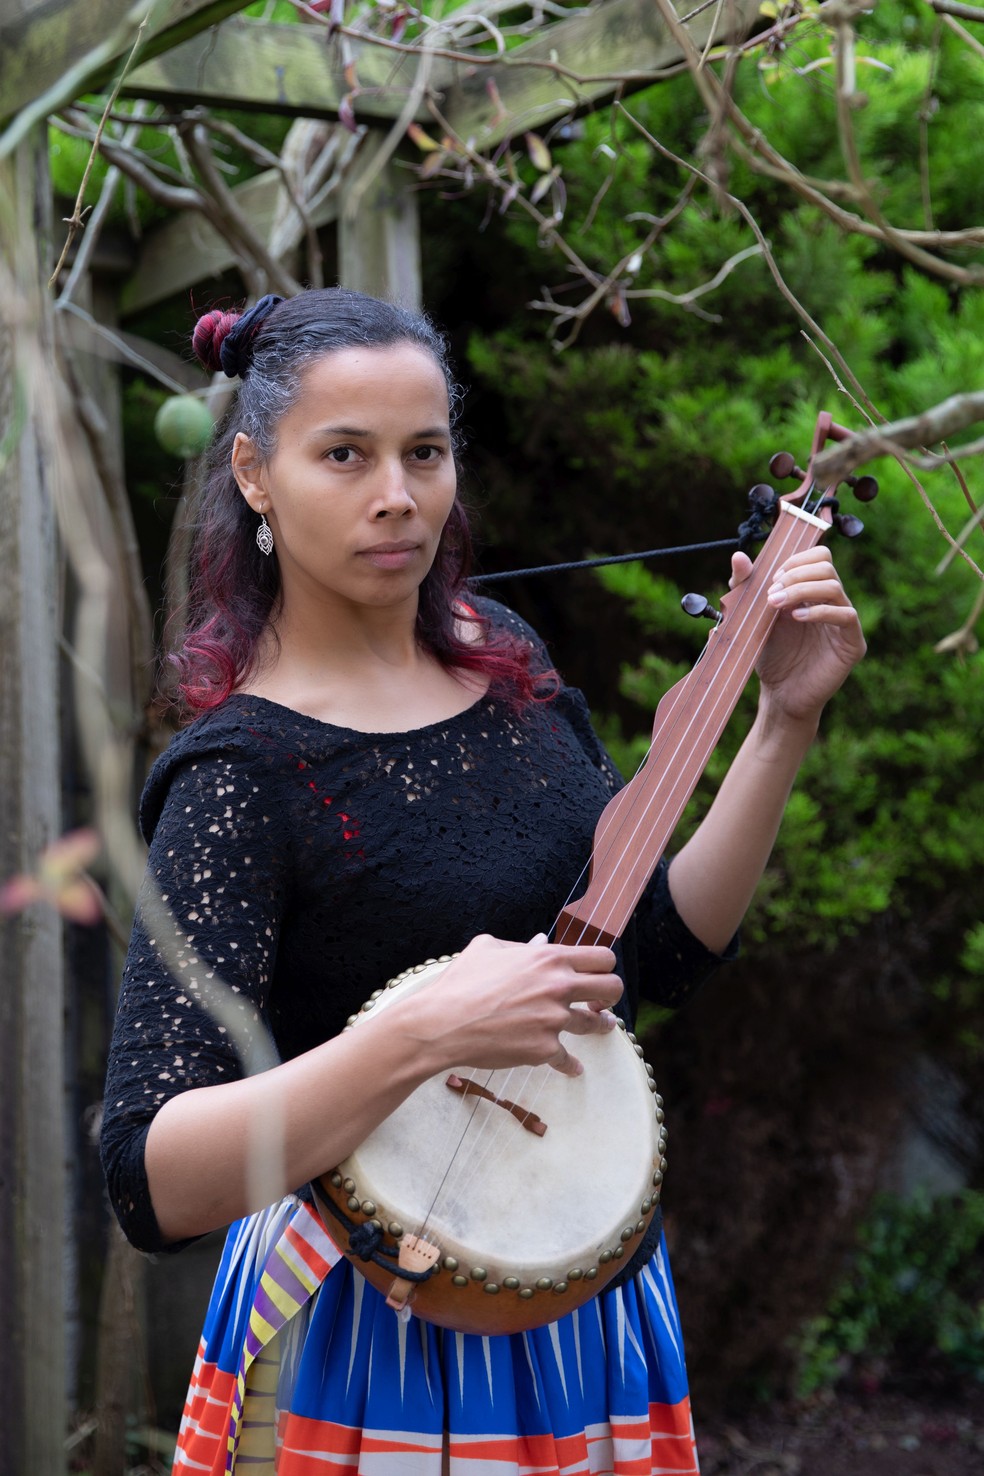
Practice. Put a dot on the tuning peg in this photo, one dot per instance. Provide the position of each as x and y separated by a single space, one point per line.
762 497
865 489
699 606
783 465
847 524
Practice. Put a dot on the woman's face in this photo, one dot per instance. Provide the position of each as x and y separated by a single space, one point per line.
362 479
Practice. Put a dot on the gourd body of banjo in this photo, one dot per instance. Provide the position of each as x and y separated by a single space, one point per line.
527 1195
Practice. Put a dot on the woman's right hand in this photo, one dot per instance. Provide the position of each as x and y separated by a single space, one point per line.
506 1004
497 1004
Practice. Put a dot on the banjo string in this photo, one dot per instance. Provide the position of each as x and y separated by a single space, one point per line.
703 717
698 722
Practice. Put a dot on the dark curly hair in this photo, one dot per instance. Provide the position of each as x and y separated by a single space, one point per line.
234 590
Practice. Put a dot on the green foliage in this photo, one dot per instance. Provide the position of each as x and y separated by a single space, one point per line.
651 436
914 1295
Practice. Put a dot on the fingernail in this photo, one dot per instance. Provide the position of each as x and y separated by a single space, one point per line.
609 1019
777 595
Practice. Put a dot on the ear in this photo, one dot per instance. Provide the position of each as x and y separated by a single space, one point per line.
247 468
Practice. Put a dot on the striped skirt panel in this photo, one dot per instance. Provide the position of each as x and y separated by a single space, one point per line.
303 1370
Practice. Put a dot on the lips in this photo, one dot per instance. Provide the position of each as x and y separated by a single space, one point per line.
391 555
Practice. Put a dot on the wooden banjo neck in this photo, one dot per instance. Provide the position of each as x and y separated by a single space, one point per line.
637 824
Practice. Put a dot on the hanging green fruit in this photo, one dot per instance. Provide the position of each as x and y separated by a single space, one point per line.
184 425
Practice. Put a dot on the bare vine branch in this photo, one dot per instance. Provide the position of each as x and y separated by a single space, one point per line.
954 7
76 220
759 154
925 429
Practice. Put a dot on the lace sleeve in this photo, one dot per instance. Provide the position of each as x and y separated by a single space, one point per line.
206 931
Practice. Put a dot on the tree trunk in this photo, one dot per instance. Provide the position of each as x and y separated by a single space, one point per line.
32 1152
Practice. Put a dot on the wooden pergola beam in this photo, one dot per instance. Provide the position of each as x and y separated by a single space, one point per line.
291 70
185 249
48 38
622 39
295 70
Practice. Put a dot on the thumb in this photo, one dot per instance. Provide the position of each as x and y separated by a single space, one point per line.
567 1064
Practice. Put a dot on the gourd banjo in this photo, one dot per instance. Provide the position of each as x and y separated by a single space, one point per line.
495 1202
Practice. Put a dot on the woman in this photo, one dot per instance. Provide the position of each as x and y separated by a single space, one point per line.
385 769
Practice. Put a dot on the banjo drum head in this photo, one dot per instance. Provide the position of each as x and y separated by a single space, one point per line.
508 1204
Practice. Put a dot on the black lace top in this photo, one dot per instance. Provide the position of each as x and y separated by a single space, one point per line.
304 865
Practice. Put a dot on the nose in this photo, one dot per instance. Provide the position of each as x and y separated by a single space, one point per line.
393 498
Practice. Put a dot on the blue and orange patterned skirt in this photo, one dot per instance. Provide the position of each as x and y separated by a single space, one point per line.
303 1369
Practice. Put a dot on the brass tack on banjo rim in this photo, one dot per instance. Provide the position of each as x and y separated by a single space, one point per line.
497 1205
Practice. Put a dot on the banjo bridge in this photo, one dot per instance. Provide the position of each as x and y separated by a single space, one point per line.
469 1088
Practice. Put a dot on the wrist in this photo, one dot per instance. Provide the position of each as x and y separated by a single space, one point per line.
778 732
420 1030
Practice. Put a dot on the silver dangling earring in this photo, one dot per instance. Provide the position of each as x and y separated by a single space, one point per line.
264 538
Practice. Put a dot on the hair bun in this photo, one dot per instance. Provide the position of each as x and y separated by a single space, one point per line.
209 333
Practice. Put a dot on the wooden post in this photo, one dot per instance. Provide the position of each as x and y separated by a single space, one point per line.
379 228
32 1168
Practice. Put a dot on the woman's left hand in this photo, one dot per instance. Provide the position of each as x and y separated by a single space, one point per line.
816 640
